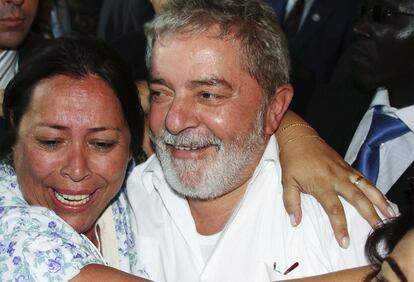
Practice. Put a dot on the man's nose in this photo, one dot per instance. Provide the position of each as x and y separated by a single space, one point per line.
182 115
77 163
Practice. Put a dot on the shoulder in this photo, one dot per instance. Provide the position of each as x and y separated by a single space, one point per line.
321 246
35 244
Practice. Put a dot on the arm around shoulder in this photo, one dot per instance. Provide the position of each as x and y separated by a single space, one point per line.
96 272
352 274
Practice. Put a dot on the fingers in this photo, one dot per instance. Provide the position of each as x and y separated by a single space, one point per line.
363 195
291 200
330 202
361 203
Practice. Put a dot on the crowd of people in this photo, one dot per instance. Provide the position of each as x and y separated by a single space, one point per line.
168 149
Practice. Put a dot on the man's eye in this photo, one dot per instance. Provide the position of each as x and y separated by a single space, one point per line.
154 94
209 96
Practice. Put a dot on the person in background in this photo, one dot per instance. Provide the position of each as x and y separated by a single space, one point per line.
375 109
319 34
16 43
121 17
16 18
53 19
318 31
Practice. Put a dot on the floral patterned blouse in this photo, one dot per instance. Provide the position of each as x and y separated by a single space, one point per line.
37 245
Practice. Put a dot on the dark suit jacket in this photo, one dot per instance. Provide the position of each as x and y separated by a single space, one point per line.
325 33
119 18
335 111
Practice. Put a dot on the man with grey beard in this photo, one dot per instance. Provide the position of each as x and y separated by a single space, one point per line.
208 206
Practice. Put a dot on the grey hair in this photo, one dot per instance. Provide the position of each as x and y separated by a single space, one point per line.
263 45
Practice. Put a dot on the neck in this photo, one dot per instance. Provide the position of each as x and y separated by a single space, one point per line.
92 235
210 216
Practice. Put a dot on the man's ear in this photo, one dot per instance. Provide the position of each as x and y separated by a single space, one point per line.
277 107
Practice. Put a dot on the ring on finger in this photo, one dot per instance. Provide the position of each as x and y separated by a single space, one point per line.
358 180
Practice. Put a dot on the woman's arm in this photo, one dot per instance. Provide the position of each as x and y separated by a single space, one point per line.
96 272
353 274
310 166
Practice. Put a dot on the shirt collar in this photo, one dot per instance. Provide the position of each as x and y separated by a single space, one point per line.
406 114
8 66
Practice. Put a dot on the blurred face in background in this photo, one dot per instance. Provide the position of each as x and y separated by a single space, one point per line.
16 18
383 43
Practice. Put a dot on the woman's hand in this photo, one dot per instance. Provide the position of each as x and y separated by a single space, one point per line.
310 166
157 4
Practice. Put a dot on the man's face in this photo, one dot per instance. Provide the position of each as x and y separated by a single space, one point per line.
206 115
16 17
382 51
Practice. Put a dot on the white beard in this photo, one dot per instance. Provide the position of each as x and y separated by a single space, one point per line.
215 175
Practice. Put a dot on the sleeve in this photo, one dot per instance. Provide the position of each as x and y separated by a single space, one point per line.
36 245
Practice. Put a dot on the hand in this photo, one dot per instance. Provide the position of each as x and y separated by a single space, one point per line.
157 4
310 166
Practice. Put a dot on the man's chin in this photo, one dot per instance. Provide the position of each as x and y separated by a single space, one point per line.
193 188
11 41
365 82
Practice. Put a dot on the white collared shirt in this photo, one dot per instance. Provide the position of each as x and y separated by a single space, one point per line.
397 154
8 67
257 236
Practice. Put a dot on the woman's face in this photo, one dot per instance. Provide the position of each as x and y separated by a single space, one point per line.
72 149
400 262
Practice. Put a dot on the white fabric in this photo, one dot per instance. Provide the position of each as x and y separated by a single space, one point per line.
8 67
308 6
395 155
258 234
108 238
207 244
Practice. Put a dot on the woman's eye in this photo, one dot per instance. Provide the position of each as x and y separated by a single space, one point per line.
104 145
49 143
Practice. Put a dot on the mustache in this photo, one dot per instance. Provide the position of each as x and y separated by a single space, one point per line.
193 140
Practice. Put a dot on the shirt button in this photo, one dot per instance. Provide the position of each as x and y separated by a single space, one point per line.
382 145
316 17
